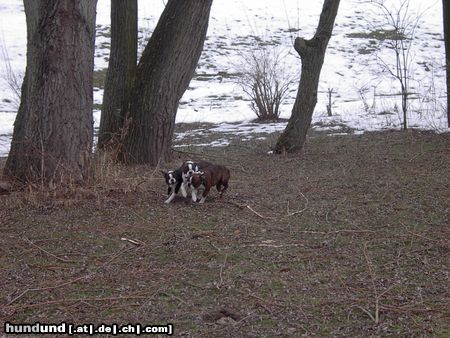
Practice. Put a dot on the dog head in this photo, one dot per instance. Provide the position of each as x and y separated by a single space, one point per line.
196 179
189 167
170 177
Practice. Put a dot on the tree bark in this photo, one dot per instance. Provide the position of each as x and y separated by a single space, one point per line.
446 10
121 70
163 74
312 54
53 131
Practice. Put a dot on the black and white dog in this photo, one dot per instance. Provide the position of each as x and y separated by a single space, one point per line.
188 168
174 180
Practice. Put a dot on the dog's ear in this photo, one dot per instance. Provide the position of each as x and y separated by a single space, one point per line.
163 173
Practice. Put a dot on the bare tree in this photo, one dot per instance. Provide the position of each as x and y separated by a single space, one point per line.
401 26
264 78
330 92
163 74
121 70
312 54
53 131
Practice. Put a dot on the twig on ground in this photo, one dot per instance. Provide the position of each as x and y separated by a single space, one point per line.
214 246
289 214
342 167
194 285
121 252
221 271
271 244
45 288
241 168
141 182
174 297
367 313
132 241
337 231
240 206
45 251
258 214
72 300
419 235
266 301
136 214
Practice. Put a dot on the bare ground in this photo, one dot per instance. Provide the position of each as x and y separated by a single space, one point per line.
348 238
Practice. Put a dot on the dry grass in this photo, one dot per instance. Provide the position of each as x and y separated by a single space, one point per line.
349 238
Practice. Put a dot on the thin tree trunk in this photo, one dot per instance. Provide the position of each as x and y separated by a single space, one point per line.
121 70
53 131
405 106
18 145
312 54
164 72
446 10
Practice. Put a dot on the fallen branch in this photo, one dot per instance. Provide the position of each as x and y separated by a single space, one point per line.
367 313
132 241
271 302
72 300
289 214
45 288
174 297
120 252
240 206
272 244
221 271
337 231
48 253
258 214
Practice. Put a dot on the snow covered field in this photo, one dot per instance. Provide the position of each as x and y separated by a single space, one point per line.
365 98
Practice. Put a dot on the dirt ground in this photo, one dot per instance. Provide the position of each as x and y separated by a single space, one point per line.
348 238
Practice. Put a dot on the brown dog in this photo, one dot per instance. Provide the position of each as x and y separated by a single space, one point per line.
214 175
187 169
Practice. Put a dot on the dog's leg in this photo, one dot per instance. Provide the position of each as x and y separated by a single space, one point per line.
194 194
225 187
219 186
205 193
183 188
177 187
171 197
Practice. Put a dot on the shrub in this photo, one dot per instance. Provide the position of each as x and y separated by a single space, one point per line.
265 80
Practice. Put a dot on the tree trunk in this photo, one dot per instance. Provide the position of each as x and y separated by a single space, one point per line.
121 70
53 131
446 10
405 106
312 54
163 74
